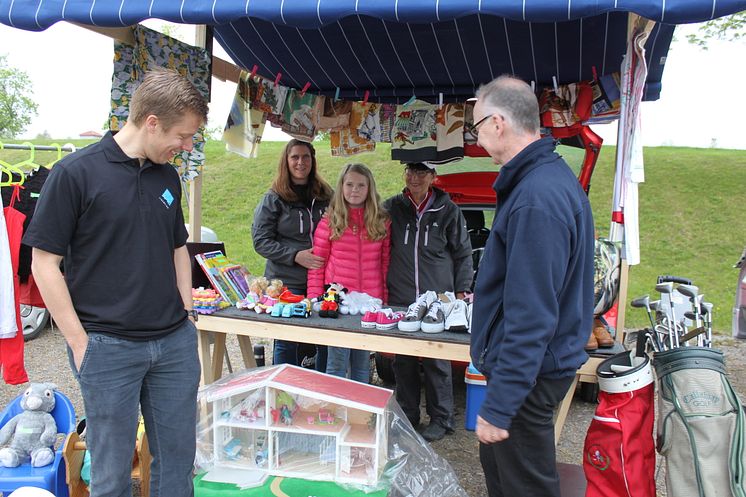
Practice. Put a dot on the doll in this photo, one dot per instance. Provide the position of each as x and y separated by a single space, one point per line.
270 298
257 288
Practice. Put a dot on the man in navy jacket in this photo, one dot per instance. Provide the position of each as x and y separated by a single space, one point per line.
533 305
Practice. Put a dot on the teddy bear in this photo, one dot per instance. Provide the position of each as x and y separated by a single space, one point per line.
334 294
257 287
33 431
270 298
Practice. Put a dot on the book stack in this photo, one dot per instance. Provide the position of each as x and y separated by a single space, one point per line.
227 278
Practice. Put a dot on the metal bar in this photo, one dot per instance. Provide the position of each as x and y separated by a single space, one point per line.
44 148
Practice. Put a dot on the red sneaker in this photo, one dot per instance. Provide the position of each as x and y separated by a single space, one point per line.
369 319
388 319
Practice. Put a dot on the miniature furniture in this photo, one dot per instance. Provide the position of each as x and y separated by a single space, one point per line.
294 422
51 477
74 452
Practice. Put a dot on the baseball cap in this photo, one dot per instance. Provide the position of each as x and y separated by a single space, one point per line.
420 166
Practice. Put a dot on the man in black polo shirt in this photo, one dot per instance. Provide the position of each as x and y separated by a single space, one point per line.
124 305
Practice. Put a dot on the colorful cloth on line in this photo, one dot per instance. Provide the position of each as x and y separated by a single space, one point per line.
370 124
151 50
245 125
348 141
265 96
335 116
449 124
300 115
414 135
606 95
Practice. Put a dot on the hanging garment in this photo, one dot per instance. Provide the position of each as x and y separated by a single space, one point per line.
300 114
335 116
387 116
11 349
245 125
8 326
370 125
26 205
606 99
565 109
348 141
152 50
450 133
264 95
414 135
619 452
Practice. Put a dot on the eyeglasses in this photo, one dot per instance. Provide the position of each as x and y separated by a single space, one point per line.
474 128
420 173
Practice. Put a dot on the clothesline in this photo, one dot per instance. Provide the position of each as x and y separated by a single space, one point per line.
67 147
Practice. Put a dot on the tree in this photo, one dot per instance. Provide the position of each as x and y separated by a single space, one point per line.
16 106
729 28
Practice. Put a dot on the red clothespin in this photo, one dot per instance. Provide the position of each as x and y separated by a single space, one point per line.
365 97
253 71
277 78
595 74
305 87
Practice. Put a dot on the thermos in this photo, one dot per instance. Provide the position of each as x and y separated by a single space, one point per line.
259 355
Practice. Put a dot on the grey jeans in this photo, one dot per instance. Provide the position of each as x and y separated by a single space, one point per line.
159 376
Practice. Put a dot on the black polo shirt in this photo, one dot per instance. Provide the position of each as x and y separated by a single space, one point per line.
117 225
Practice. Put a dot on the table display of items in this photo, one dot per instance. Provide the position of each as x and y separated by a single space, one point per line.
293 422
207 301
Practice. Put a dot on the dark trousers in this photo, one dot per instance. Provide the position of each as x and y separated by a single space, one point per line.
438 389
525 464
286 352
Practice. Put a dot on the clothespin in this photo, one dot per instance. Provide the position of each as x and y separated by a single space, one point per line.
440 100
410 101
365 98
533 86
554 83
277 79
305 88
595 74
253 71
336 94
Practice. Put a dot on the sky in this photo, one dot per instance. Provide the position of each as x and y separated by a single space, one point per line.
70 69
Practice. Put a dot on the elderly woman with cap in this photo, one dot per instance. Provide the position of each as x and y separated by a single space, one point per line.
430 254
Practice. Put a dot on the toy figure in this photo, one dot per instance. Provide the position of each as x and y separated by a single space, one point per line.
270 298
333 295
257 288
285 415
33 431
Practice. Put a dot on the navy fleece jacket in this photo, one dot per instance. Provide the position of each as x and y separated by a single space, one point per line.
533 302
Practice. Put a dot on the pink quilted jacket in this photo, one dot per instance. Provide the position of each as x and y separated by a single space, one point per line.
354 261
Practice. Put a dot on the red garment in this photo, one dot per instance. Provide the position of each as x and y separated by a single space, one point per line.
29 293
354 261
619 453
11 349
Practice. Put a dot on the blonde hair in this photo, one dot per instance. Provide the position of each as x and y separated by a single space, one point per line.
375 217
167 95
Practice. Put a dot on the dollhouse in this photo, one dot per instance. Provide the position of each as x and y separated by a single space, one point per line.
288 421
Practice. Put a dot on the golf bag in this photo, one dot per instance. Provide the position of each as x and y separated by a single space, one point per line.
700 424
619 452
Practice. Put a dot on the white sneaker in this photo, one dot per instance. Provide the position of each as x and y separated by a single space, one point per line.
457 319
434 320
469 308
416 311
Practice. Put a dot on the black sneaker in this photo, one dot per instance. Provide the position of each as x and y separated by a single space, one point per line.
433 432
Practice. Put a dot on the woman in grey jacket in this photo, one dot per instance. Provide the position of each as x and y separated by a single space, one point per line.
284 222
430 252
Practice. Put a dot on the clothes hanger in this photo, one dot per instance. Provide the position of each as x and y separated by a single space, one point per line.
29 161
59 155
10 169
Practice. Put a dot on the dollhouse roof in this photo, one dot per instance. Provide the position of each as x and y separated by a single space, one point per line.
307 382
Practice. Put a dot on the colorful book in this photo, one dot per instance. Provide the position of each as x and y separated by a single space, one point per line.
215 266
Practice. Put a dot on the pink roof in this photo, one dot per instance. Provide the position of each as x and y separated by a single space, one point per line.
333 386
91 133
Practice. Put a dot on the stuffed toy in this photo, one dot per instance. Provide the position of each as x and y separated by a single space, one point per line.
270 298
257 288
333 296
33 431
359 303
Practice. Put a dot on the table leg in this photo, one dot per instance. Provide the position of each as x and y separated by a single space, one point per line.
203 349
564 408
247 350
218 354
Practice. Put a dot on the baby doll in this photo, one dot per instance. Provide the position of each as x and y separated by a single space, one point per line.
270 298
257 288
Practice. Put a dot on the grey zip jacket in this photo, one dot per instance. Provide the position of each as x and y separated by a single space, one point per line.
282 229
432 253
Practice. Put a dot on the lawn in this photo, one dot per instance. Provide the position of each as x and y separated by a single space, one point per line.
692 216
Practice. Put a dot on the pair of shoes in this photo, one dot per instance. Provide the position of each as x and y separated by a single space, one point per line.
412 320
602 335
434 431
385 319
457 316
434 320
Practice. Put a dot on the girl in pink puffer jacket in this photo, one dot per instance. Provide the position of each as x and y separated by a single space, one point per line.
353 238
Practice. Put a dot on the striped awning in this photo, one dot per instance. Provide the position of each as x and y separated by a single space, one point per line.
396 49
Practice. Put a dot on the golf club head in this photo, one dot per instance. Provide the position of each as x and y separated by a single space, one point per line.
690 315
655 305
665 287
690 291
641 302
706 308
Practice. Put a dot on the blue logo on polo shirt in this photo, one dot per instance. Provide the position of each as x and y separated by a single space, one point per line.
167 198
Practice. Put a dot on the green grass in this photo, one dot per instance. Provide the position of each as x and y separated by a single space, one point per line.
692 209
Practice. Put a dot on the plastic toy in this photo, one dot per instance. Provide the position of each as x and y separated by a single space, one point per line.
330 301
257 287
31 433
206 301
270 298
288 297
302 309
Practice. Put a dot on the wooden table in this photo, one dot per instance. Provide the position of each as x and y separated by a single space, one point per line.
346 332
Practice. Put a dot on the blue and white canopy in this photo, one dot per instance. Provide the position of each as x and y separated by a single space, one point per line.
395 49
